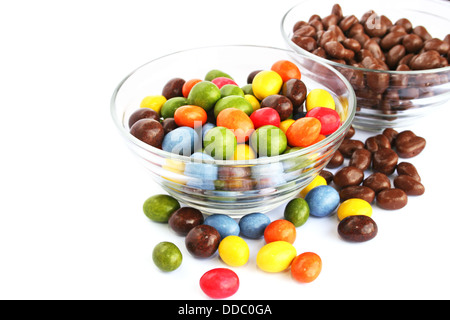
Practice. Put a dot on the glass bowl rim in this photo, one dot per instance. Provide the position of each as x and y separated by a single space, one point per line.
308 54
258 161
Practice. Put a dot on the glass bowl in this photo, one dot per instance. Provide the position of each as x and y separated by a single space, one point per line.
231 187
406 96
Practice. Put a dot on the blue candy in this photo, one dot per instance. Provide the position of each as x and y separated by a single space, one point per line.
182 141
206 127
322 201
225 225
253 225
197 169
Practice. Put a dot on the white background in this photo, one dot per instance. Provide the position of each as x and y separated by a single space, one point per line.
71 220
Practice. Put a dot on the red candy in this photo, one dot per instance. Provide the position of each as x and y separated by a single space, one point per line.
329 119
265 116
221 81
219 283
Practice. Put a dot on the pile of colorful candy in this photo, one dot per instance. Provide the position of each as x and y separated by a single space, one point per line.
350 201
223 121
220 233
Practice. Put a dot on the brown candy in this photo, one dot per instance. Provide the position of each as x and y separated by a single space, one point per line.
337 50
412 43
202 241
377 182
347 22
169 124
375 26
142 113
227 172
327 175
295 90
394 55
425 60
409 145
360 192
405 23
348 146
350 133
385 160
422 32
185 219
392 199
377 142
306 43
352 44
361 159
391 134
348 176
410 185
148 131
280 103
173 88
406 168
392 39
336 161
235 178
358 228
337 11
306 31
437 45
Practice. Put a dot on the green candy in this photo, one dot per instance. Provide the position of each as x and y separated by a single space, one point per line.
268 141
297 212
248 89
213 74
167 256
160 207
220 143
204 94
170 106
231 90
237 102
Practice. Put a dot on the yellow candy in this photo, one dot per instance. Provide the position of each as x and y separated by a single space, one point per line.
175 171
354 207
153 102
319 98
234 251
253 101
266 83
244 152
318 181
284 126
276 256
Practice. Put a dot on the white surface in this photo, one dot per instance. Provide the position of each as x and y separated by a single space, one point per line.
71 221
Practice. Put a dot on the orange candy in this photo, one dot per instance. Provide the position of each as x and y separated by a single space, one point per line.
190 116
306 267
280 230
304 132
188 86
237 121
287 70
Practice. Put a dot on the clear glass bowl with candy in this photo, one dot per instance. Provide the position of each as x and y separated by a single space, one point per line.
233 129
394 53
